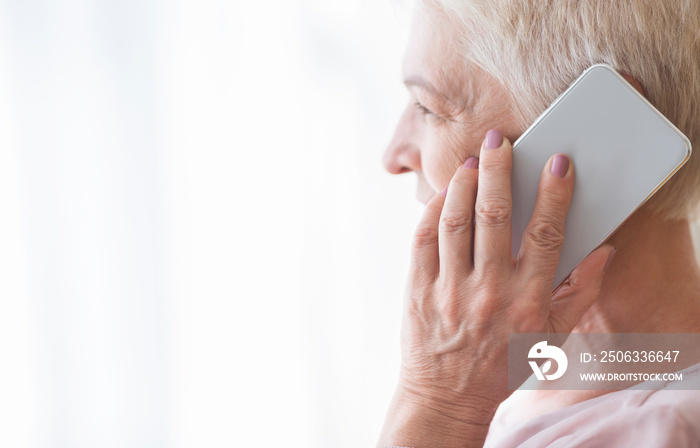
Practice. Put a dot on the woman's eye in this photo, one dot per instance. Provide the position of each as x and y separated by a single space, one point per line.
424 110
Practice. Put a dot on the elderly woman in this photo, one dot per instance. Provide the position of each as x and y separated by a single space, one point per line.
479 72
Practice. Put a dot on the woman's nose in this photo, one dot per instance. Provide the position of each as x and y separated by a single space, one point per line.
402 155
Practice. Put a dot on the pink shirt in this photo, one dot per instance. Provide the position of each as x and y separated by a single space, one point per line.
666 417
635 418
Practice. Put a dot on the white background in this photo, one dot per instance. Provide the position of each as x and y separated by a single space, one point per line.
198 243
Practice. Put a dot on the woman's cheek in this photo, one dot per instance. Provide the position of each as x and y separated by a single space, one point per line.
447 152
434 164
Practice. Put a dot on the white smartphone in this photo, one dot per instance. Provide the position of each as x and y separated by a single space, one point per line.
623 151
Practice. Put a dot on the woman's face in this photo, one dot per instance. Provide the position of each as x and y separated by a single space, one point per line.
452 105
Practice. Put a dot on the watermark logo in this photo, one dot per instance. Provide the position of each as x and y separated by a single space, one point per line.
549 352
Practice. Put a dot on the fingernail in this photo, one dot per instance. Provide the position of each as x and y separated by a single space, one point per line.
493 139
610 257
560 165
471 163
444 192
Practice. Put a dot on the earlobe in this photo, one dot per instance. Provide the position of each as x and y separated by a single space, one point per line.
632 80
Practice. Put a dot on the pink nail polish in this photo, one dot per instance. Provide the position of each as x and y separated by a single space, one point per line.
471 163
494 139
560 165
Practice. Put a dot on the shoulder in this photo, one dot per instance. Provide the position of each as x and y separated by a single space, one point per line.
629 418
652 423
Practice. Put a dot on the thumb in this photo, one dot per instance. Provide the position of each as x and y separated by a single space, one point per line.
576 294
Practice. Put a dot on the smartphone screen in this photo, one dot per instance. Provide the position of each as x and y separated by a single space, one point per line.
623 151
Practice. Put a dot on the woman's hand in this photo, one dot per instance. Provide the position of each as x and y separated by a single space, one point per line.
465 293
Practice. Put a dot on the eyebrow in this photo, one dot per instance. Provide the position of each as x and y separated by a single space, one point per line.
422 83
417 81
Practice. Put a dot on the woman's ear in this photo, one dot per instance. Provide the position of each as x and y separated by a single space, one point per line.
632 80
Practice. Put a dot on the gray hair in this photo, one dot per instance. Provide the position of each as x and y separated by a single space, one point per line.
536 48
